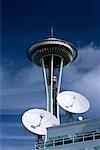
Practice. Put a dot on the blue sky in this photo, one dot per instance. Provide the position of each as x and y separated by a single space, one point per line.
22 86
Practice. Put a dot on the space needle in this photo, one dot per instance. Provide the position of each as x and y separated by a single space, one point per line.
52 55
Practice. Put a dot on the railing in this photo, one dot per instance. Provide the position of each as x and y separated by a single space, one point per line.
63 141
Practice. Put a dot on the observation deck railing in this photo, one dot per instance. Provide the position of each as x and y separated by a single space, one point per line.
63 141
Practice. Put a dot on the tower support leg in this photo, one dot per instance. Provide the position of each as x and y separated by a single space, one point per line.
46 84
58 90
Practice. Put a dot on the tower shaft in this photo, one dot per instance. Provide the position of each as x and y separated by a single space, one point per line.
52 78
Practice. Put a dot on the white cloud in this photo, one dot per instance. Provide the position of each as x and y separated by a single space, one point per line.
89 58
23 89
26 87
30 75
25 80
83 76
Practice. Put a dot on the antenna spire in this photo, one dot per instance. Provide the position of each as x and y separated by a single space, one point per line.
52 32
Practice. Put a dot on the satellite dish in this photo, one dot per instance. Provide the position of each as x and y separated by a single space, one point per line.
37 120
73 102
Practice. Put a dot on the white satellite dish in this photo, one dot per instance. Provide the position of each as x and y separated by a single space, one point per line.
73 102
37 120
